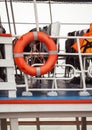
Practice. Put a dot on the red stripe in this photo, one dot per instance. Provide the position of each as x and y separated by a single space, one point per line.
5 35
45 101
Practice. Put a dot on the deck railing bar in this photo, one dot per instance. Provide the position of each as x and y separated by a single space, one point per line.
49 122
55 78
59 54
5 22
63 37
57 89
52 2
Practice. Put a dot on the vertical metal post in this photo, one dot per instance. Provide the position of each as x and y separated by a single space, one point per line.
13 124
3 124
37 123
83 125
36 15
81 65
77 123
0 20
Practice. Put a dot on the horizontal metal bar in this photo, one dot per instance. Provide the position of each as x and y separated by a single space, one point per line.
6 63
47 23
7 86
51 122
64 37
57 89
59 54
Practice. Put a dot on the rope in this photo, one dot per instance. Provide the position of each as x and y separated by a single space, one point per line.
13 16
7 11
50 11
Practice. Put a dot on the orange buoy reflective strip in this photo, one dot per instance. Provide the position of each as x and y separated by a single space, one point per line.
23 41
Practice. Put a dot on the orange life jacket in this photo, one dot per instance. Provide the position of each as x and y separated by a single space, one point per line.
85 44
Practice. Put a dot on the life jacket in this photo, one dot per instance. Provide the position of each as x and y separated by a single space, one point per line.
85 44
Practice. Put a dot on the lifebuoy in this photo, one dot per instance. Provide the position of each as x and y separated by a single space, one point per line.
23 41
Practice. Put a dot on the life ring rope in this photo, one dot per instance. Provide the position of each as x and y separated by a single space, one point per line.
35 35
52 52
18 55
38 72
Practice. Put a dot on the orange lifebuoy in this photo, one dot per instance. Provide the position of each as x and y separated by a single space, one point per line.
83 42
23 41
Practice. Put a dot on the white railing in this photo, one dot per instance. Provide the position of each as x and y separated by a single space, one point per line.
58 75
8 85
